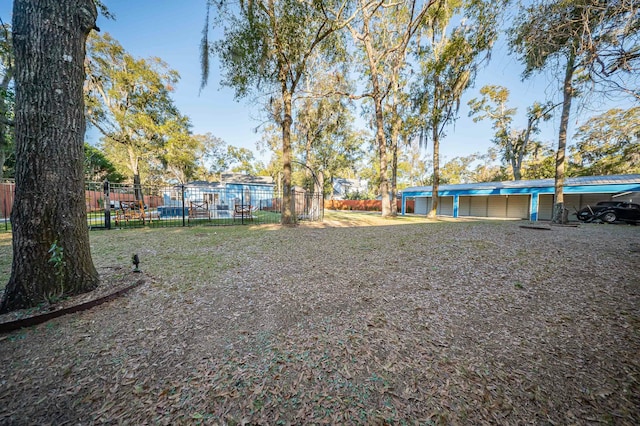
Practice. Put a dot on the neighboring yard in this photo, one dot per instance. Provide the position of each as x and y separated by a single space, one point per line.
411 322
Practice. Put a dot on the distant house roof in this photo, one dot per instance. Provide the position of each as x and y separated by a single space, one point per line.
248 179
203 183
233 178
536 183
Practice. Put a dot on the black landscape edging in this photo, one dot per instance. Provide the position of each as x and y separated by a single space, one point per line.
39 319
541 228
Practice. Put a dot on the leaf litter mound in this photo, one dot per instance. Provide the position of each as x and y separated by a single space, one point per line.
428 323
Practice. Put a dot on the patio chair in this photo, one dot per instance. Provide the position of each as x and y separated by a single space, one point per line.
199 210
243 211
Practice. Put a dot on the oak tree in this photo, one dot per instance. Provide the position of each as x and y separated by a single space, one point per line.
97 167
129 102
578 41
266 46
383 32
51 252
449 60
180 154
324 138
514 144
607 144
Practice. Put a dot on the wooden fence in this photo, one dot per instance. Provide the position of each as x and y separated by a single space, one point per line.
93 199
7 190
363 205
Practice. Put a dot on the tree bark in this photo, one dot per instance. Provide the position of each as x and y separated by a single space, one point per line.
49 206
382 152
436 172
318 195
559 215
516 163
134 164
395 136
377 97
286 217
394 179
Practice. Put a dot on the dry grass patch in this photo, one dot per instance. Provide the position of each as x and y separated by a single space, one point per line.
428 322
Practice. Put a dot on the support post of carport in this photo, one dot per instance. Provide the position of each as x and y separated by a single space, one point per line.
402 206
533 216
456 202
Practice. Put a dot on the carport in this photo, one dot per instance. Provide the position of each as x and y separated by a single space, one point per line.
524 199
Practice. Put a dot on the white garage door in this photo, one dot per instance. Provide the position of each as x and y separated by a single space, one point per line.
478 206
464 206
518 206
445 206
545 207
496 206
420 205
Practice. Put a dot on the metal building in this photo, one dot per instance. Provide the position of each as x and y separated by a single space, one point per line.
523 199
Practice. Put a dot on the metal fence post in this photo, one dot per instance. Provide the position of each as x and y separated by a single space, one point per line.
107 204
242 204
293 205
183 218
4 205
4 201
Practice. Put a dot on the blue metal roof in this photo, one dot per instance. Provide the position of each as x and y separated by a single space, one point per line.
523 185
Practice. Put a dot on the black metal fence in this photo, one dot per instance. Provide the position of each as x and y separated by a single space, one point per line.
116 206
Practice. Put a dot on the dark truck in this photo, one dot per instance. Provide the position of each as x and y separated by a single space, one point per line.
610 212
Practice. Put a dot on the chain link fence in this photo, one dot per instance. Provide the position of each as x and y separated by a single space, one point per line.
117 206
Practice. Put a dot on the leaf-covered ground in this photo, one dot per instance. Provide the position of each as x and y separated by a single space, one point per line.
411 322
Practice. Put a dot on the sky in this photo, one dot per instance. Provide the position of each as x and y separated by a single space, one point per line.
172 31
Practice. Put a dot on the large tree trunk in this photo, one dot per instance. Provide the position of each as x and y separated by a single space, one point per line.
436 172
519 157
517 173
49 206
287 217
134 164
516 164
379 119
382 152
394 178
559 215
395 136
318 196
